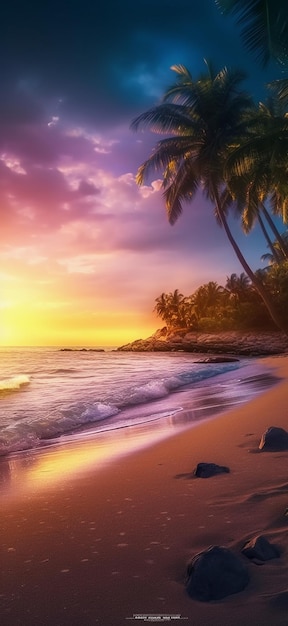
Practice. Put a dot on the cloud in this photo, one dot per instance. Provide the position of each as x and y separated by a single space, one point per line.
26 254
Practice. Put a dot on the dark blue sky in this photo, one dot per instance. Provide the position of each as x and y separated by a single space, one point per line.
108 60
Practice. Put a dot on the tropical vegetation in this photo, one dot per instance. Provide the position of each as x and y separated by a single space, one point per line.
221 143
234 306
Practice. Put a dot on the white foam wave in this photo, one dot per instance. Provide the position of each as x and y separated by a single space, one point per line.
153 390
98 411
157 389
30 434
14 382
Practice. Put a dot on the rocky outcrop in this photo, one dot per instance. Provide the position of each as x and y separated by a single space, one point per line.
231 342
215 574
81 350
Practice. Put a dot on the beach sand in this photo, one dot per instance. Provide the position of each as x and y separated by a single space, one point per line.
110 546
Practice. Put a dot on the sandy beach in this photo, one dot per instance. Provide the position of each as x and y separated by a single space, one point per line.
110 546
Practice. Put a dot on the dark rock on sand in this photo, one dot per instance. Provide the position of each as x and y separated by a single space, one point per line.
261 549
206 470
278 600
218 359
215 574
274 439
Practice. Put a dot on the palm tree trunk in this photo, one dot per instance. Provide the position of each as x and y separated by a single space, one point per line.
269 242
277 319
275 231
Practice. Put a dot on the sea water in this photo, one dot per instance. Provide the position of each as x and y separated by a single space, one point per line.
49 395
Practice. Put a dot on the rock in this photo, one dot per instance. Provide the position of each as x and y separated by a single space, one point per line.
261 549
274 439
81 350
220 343
218 359
278 601
215 574
206 470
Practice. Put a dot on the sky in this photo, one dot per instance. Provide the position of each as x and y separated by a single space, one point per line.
84 251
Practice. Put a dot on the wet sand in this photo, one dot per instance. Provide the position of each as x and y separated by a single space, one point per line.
108 545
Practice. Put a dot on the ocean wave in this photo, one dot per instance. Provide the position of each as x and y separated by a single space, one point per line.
14 382
159 388
65 418
153 390
23 435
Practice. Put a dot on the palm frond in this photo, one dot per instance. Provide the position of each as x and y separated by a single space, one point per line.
264 26
280 87
174 208
183 188
247 220
210 69
265 150
166 158
164 118
182 71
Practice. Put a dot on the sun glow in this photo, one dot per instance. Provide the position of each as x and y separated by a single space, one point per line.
51 307
55 323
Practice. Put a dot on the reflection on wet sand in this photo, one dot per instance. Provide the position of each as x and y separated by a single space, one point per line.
27 472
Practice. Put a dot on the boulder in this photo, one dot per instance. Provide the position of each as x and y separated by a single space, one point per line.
261 549
215 574
206 470
274 439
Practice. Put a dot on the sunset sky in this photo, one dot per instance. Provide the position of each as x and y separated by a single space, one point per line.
84 252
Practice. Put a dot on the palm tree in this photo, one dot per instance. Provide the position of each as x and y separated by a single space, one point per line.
167 307
175 300
239 199
162 308
204 118
276 280
276 256
206 298
264 26
265 32
257 170
213 293
239 287
280 88
187 314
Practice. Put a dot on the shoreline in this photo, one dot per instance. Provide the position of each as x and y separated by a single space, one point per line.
144 424
113 544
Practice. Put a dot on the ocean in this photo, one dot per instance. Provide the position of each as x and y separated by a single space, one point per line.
51 396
